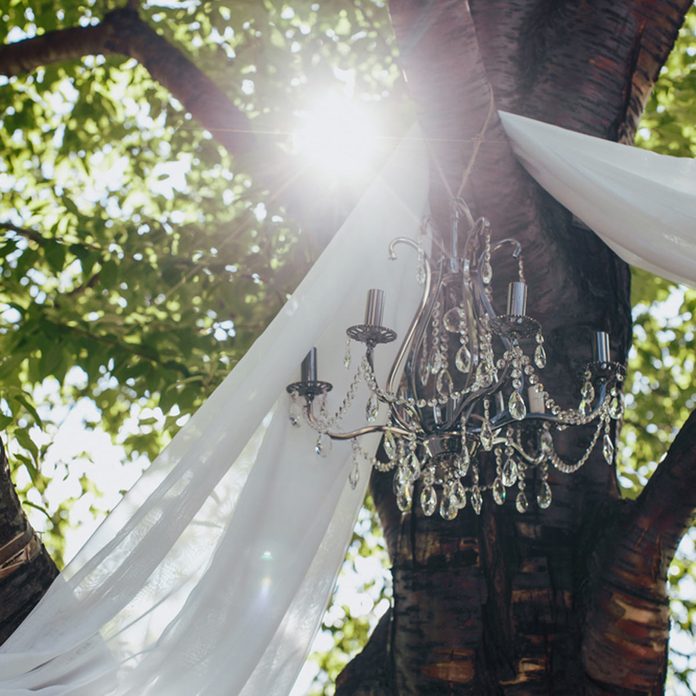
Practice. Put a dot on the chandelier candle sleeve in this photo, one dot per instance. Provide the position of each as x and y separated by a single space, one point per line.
601 347
536 399
308 369
517 299
374 308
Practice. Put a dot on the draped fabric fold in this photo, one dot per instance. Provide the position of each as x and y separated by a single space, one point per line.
643 205
212 574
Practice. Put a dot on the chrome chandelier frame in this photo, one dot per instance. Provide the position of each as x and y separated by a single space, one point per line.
471 415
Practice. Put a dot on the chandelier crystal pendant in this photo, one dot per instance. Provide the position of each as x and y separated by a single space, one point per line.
472 415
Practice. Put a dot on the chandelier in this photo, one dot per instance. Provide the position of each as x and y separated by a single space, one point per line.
471 417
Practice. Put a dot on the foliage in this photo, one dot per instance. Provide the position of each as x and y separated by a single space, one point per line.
138 260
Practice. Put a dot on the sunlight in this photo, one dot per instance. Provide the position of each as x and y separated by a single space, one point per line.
337 138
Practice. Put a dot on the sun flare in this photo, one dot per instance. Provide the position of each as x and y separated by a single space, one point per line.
337 138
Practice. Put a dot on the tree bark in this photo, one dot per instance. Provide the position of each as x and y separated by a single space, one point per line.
26 569
530 604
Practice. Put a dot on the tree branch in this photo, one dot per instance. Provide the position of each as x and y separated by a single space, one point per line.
123 32
667 504
627 622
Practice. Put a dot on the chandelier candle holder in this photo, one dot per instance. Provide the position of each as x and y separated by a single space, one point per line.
472 416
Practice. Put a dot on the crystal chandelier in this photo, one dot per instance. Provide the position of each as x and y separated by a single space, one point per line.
472 415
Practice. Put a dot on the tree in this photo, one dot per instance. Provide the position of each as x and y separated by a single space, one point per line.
571 600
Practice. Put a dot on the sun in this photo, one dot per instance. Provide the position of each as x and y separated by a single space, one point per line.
337 138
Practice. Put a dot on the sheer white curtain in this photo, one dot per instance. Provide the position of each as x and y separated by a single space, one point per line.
643 205
212 574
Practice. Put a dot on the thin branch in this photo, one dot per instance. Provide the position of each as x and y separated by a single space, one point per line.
31 235
123 32
38 238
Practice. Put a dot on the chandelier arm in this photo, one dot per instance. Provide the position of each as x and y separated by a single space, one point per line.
349 435
508 240
412 329
590 417
530 459
421 331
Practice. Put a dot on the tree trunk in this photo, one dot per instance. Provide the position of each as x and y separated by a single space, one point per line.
26 569
570 600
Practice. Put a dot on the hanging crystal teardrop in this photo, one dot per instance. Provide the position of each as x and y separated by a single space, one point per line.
461 463
462 359
444 383
499 492
540 356
509 472
616 407
346 355
546 441
389 444
372 409
607 448
544 495
448 506
323 445
476 500
516 406
521 502
459 494
486 436
412 467
428 500
455 320
404 497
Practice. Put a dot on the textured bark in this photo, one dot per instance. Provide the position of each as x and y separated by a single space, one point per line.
531 604
21 588
630 609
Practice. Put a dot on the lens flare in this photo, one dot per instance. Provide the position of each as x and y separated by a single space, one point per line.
337 138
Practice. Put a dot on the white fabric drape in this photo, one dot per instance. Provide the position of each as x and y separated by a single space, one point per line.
643 205
212 574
